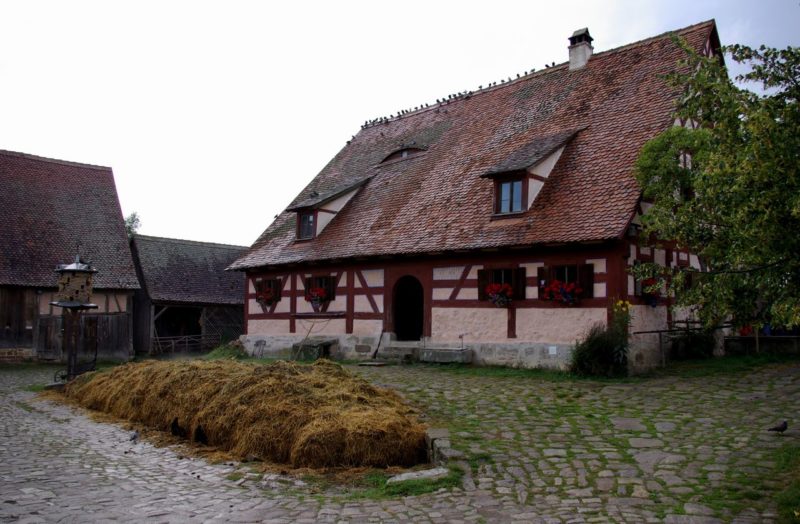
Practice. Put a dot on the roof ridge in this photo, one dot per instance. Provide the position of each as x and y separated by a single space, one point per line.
503 83
53 160
185 241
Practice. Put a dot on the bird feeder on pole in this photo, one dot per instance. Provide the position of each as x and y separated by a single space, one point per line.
75 296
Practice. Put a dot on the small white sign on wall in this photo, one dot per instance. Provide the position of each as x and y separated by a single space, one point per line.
552 350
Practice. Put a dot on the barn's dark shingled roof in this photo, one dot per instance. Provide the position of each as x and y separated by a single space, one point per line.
188 272
51 208
438 201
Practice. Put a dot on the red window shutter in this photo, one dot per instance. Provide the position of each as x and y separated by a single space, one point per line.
542 279
519 283
484 279
586 279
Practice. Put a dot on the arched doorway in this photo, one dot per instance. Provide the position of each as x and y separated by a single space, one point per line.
409 309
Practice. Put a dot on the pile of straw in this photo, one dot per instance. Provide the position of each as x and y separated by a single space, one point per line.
307 416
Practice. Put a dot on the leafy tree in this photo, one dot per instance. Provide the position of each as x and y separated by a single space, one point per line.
132 223
735 199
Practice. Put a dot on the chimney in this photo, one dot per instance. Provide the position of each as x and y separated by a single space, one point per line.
580 48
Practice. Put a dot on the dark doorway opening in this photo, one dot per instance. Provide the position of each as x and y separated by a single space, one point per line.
409 309
178 321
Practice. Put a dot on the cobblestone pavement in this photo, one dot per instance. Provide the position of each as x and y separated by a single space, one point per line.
538 450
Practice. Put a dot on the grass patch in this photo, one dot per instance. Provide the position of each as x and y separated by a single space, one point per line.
234 476
227 352
723 365
373 485
543 374
787 460
34 388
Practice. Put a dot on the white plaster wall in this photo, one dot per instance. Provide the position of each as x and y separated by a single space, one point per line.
479 324
442 293
334 326
363 328
283 305
544 167
251 288
361 304
467 293
599 290
694 262
304 306
447 273
562 325
373 277
598 263
473 273
379 302
532 270
534 186
660 257
338 304
323 218
268 327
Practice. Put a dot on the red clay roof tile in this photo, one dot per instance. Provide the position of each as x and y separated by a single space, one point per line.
437 201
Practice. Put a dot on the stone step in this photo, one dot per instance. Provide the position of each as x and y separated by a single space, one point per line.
398 353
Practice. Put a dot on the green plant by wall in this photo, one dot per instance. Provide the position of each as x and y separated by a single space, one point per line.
604 351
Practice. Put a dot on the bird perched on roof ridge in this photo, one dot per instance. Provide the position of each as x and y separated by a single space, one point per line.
780 428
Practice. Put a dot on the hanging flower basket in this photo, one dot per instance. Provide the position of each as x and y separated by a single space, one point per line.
317 296
266 297
650 297
564 292
499 294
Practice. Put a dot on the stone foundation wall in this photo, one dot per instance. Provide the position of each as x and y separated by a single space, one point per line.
14 355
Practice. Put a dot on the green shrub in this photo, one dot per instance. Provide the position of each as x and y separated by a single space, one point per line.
600 353
604 351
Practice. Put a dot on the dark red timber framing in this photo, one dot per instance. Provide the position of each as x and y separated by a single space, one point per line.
351 283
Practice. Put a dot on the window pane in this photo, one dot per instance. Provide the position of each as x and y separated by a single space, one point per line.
517 196
306 225
505 197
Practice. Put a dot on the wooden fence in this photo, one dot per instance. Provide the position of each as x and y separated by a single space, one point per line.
187 344
106 334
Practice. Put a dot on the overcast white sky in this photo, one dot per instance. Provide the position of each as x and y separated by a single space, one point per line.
214 115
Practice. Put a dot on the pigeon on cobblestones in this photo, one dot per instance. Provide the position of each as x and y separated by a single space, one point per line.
134 437
780 428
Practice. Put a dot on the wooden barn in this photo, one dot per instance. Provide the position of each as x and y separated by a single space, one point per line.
495 225
187 301
51 210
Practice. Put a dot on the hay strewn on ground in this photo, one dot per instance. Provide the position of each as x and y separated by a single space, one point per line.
306 416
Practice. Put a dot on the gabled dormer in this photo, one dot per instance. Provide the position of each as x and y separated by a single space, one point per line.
520 176
317 211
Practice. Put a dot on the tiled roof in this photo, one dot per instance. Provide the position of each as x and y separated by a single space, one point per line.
438 201
183 271
533 152
52 209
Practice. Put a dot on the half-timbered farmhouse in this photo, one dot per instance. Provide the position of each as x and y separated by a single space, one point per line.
187 302
51 210
498 223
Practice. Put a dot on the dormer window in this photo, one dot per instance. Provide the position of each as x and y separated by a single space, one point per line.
306 225
509 196
403 154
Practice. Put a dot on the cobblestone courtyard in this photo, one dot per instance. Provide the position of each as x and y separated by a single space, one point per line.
538 450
